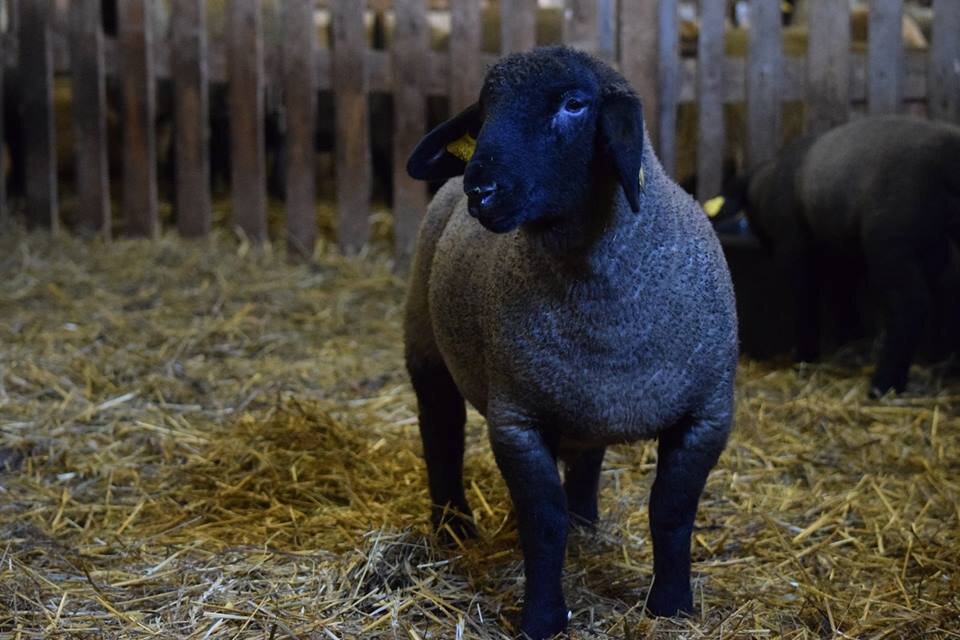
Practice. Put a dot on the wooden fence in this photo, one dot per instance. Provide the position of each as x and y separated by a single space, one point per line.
640 36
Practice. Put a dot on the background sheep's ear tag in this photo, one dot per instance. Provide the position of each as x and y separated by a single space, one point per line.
713 206
643 180
463 147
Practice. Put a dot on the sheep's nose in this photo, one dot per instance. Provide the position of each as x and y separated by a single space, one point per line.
482 195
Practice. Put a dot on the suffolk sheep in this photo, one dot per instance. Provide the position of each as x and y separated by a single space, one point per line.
882 192
577 298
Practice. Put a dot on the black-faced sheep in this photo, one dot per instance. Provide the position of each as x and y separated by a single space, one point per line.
884 191
577 297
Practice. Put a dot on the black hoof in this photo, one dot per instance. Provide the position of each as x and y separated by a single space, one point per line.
883 383
453 526
544 623
667 603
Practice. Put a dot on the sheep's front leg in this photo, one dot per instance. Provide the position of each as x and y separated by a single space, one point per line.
686 454
581 481
442 419
530 471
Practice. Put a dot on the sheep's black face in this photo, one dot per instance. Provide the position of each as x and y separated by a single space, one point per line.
550 127
535 149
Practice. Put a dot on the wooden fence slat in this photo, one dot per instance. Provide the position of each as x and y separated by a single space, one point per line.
299 42
710 129
639 57
4 212
607 29
90 115
765 69
581 27
36 77
464 54
828 65
410 45
518 25
352 124
139 111
248 181
885 63
668 57
191 96
944 69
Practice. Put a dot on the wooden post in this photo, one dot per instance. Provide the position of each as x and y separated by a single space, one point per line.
710 130
188 63
764 82
581 27
465 76
885 61
352 124
4 213
90 115
248 179
139 113
828 65
668 79
639 57
410 46
518 25
36 81
299 44
944 70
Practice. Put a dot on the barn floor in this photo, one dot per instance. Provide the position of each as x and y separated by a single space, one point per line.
198 440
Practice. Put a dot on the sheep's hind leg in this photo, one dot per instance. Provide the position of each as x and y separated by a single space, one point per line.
442 420
686 454
531 474
581 481
906 309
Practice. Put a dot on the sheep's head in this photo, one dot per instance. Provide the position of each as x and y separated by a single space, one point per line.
551 126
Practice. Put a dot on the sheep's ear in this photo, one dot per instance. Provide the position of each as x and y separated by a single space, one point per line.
621 126
445 151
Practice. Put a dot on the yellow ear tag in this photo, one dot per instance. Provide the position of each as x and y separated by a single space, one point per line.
463 147
713 206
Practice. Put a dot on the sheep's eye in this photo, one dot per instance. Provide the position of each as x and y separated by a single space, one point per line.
574 106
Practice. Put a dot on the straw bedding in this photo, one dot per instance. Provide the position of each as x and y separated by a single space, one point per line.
200 441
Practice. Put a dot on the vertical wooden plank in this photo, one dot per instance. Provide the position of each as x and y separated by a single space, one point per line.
581 27
828 65
299 44
668 79
710 131
188 60
410 47
90 115
518 25
4 212
944 69
248 163
639 57
36 79
607 29
139 111
885 61
764 82
352 124
464 54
